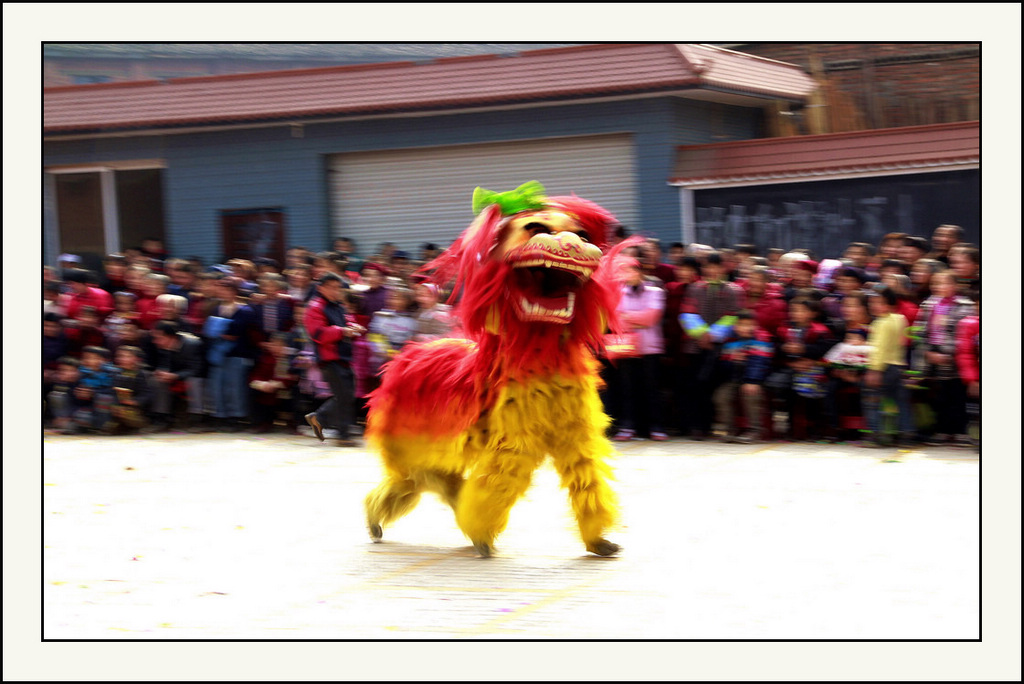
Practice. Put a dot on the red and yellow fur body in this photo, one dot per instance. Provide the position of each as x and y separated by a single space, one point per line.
471 418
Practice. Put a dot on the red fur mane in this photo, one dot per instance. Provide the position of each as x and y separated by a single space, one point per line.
482 307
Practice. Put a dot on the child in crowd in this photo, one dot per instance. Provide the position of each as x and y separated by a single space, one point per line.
936 326
132 392
885 391
135 280
850 354
64 400
433 319
845 364
124 306
801 383
859 254
744 363
273 381
55 344
84 331
846 281
177 364
968 363
275 309
901 285
95 388
392 327
300 283
54 301
891 267
202 301
802 273
965 262
356 302
680 349
776 266
843 401
311 389
123 313
130 334
55 347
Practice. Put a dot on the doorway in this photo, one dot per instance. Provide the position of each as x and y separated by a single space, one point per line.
105 210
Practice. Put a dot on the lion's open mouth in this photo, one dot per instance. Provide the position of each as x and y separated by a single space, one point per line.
546 293
549 271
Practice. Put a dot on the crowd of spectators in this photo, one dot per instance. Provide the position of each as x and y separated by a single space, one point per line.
877 345
156 343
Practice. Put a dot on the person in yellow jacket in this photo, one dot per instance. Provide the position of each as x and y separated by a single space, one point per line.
884 389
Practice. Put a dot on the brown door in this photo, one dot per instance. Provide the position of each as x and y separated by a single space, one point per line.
253 233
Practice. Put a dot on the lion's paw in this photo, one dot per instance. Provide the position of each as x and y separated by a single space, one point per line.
603 547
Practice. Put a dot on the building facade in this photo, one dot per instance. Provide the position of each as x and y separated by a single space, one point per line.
389 152
822 192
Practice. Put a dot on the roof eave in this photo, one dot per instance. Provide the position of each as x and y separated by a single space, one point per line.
742 98
965 164
676 88
686 88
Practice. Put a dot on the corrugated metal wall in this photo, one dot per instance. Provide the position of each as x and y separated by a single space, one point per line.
423 195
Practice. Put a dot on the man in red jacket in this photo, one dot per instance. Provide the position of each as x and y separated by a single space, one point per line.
764 299
85 294
328 325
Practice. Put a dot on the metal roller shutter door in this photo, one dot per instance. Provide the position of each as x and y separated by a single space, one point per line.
413 196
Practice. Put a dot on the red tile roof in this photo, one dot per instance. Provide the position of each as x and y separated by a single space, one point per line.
728 70
912 149
538 75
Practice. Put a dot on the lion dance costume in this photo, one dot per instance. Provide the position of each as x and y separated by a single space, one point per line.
471 418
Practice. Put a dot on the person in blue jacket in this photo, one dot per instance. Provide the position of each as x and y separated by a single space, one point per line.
743 363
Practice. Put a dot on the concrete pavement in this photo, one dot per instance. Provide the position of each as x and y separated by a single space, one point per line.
262 537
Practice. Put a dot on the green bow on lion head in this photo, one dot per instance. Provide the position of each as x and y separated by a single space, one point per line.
527 197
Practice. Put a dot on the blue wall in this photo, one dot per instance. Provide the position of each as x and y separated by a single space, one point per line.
269 167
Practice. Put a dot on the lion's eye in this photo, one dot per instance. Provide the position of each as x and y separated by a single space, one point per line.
536 228
583 235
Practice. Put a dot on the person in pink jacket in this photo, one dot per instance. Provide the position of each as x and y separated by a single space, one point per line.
640 309
968 358
968 349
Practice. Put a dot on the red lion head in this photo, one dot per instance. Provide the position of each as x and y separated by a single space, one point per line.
535 271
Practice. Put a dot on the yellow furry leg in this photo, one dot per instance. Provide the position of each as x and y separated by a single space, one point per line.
393 498
489 494
584 474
